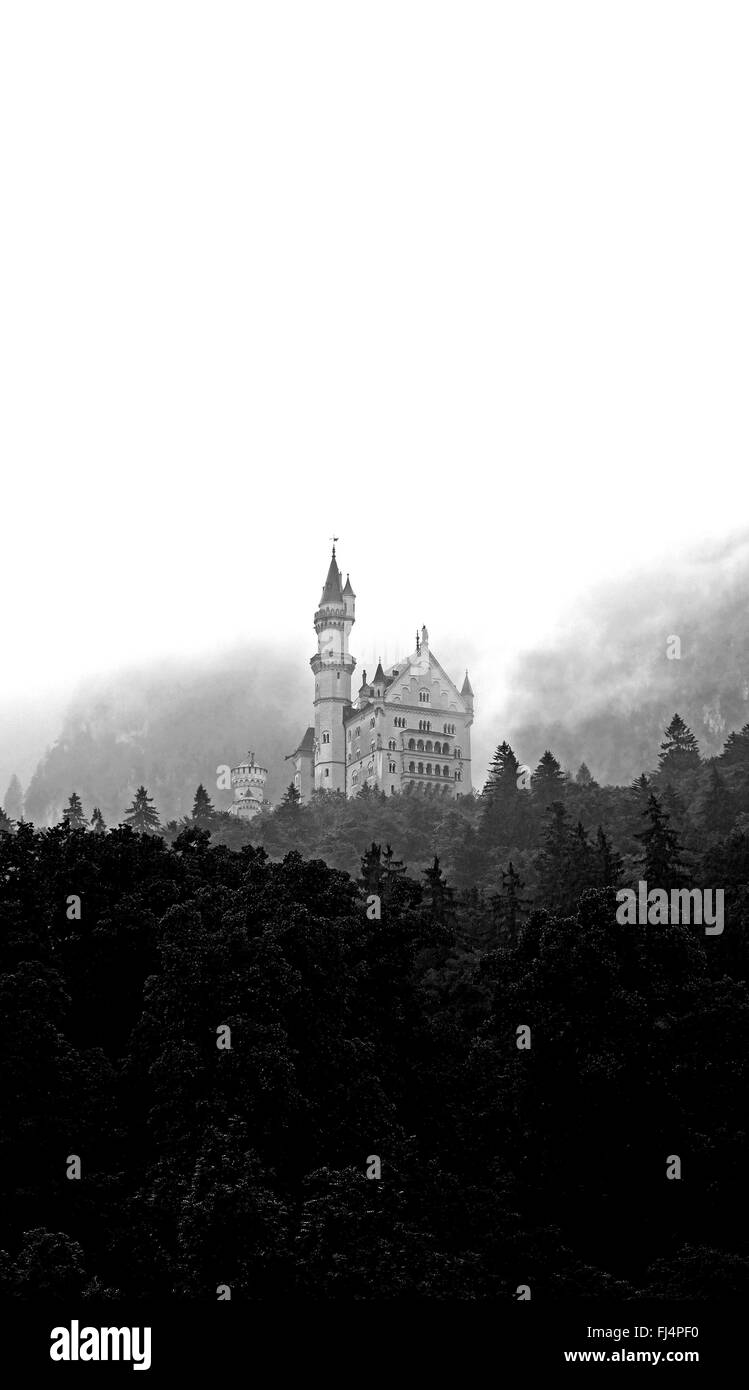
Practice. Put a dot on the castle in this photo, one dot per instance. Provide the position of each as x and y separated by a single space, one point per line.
407 730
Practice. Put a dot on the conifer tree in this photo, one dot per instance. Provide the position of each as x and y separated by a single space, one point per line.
509 904
142 815
714 805
73 813
202 807
291 797
679 750
609 862
98 824
663 865
547 782
584 777
6 824
736 748
371 869
438 894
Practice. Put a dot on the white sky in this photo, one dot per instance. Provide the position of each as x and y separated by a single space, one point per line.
466 284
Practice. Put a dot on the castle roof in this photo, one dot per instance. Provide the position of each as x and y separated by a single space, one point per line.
379 676
332 591
307 744
348 591
466 687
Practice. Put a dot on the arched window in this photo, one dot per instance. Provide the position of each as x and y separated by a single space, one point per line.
420 745
326 735
411 743
429 769
412 767
421 767
391 743
445 771
391 765
428 746
371 722
458 753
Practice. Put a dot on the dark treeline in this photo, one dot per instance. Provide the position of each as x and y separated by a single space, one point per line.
355 1035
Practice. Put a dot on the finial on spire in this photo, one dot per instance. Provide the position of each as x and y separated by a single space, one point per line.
334 539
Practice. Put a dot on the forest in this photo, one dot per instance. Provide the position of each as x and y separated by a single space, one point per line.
211 1029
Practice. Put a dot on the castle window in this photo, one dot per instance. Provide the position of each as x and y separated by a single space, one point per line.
445 771
458 753
391 743
424 697
391 765
411 743
326 735
429 769
428 746
412 767
420 745
355 777
421 767
327 772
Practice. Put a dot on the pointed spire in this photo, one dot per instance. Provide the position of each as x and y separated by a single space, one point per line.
332 592
466 688
348 591
379 675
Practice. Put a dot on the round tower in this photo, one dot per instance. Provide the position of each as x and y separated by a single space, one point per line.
332 665
248 784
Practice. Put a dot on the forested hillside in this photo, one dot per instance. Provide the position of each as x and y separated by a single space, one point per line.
520 1064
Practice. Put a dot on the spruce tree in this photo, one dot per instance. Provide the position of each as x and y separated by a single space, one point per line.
609 862
679 750
142 815
584 777
438 894
73 813
714 805
6 824
202 807
509 904
547 782
98 824
291 797
663 865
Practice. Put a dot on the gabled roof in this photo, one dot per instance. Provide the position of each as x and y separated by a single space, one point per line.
307 744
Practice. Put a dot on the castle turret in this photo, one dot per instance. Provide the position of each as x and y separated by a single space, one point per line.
332 666
248 783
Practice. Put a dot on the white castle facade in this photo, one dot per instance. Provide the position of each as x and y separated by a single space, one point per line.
406 730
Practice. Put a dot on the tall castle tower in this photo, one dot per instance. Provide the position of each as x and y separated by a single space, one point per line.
407 731
332 666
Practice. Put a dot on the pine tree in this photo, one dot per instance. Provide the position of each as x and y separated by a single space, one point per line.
291 797
679 750
609 862
13 803
736 749
663 865
203 809
500 796
509 904
438 895
142 815
6 824
371 869
73 813
547 782
98 824
554 861
714 805
584 777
